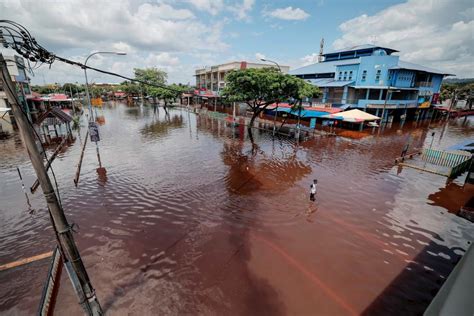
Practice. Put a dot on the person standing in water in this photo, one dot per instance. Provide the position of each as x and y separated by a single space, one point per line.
312 191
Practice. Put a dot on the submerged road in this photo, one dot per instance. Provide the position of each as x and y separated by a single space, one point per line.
189 218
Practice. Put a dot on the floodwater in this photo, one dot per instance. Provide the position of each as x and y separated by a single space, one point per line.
190 218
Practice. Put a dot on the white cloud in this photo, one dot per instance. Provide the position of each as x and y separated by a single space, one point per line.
211 6
309 59
434 33
259 56
288 13
151 33
241 10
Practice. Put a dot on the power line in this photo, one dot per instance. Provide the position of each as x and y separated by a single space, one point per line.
15 36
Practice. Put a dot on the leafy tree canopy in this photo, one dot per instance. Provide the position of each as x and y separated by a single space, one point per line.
260 87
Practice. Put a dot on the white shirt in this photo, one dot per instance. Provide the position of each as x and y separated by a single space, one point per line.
313 188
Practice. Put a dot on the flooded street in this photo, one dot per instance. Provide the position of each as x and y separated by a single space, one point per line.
191 219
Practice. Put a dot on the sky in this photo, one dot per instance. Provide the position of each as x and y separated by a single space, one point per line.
182 35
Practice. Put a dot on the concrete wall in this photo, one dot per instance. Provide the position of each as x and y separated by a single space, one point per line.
372 64
343 72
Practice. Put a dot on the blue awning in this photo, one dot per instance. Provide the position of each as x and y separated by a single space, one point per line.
304 113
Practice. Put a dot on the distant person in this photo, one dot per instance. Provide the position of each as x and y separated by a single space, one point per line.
312 191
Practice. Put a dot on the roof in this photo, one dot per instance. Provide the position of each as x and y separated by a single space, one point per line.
340 83
57 113
57 97
304 112
323 67
353 116
406 65
309 110
361 47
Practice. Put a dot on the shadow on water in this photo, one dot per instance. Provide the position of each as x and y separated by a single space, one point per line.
418 273
257 296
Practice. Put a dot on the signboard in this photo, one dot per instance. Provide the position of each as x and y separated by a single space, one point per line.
435 98
312 123
425 105
392 106
381 106
96 101
94 131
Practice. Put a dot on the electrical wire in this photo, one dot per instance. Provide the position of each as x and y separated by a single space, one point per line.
32 51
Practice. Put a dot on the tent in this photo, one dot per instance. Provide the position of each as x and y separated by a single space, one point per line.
352 116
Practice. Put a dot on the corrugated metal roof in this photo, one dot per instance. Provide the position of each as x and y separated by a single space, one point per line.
360 47
340 83
324 67
406 65
320 82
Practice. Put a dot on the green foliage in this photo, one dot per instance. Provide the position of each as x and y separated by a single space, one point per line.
264 86
464 90
130 88
46 89
153 76
96 92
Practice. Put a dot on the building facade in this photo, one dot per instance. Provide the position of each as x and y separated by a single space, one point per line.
372 78
213 78
17 70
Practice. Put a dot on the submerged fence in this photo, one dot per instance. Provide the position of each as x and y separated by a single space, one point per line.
451 163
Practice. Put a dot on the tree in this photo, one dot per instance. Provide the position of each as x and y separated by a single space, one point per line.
153 76
130 88
259 88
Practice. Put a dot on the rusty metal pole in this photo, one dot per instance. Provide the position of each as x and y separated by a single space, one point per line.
89 301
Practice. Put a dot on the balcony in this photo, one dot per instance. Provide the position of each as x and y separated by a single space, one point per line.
423 84
391 104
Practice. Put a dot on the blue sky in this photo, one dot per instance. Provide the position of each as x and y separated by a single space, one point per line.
182 35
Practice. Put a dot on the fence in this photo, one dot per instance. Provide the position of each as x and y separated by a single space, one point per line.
453 163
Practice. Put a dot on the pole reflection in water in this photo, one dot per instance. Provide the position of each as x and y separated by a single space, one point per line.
213 225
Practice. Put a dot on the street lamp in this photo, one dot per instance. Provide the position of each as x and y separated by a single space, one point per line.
276 108
385 103
271 61
85 74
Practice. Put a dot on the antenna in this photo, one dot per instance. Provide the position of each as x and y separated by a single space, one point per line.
321 47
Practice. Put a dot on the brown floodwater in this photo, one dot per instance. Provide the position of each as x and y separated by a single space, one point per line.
190 218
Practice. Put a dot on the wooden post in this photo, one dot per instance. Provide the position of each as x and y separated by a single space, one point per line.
89 300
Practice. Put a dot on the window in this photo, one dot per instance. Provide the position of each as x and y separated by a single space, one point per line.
377 76
345 72
344 78
339 78
363 77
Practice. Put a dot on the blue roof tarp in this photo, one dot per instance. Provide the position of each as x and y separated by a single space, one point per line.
304 113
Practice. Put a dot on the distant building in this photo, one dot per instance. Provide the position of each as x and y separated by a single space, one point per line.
17 70
360 76
213 78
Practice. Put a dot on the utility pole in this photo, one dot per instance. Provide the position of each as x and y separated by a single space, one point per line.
87 298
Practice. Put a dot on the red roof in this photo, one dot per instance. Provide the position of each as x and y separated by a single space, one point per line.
59 97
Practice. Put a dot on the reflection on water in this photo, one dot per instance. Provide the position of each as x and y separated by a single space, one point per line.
188 217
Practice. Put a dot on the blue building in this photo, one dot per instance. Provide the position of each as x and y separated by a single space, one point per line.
371 78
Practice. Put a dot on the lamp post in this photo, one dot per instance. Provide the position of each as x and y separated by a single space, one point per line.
276 108
271 61
385 103
87 83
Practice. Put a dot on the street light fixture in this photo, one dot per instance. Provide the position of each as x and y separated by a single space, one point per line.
87 83
271 61
276 108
